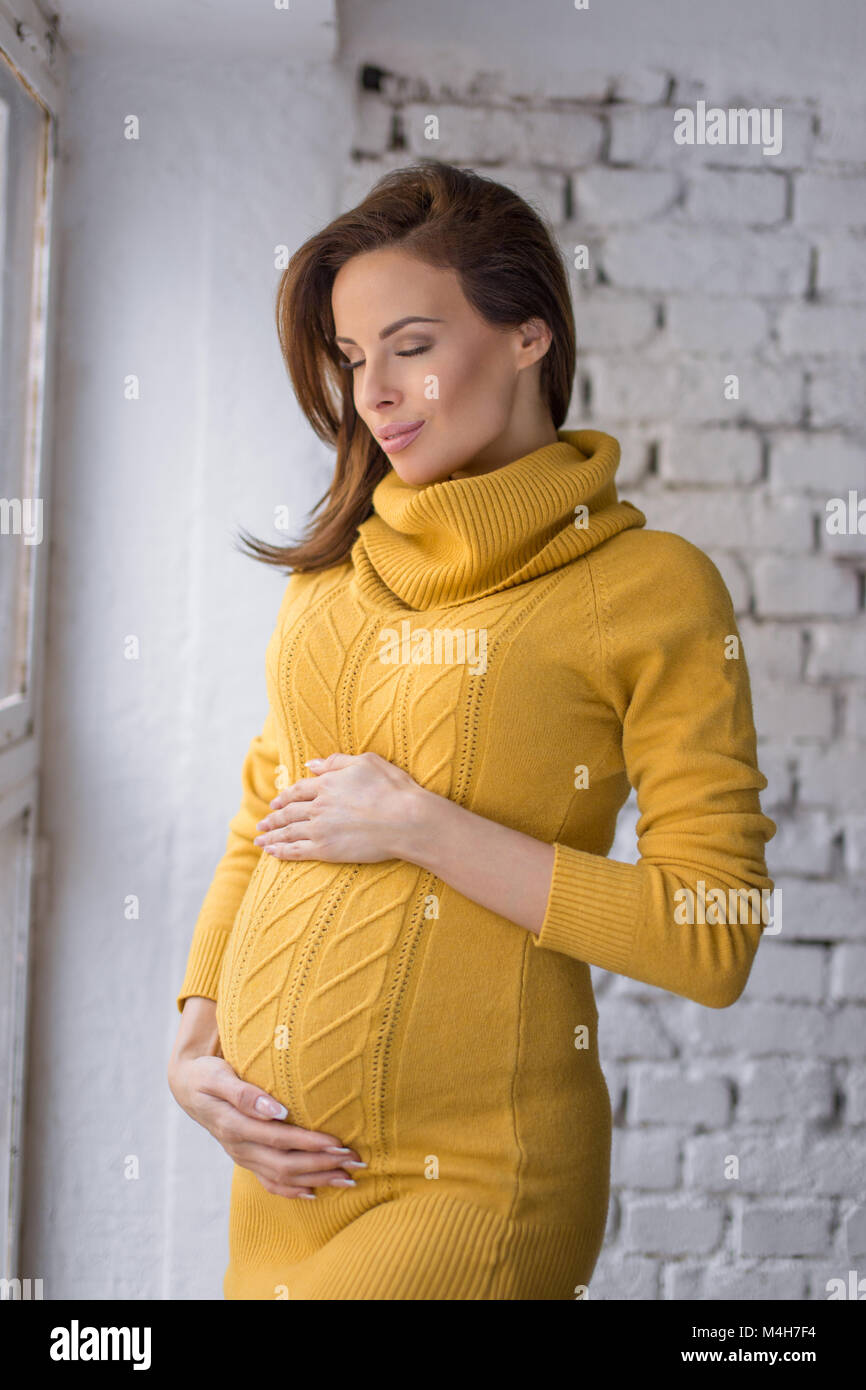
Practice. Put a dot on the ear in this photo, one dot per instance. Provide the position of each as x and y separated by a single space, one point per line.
535 341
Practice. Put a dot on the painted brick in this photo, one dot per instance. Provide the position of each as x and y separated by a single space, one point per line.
463 133
609 197
798 1228
836 394
722 518
544 189
792 711
822 330
841 265
645 1159
811 586
838 200
711 324
763 1163
817 911
834 776
855 725
767 395
848 972
639 84
835 649
803 842
847 1032
772 649
743 1282
788 970
629 1277
564 139
750 198
775 1089
680 260
671 1227
854 838
823 463
754 1028
834 1166
646 138
609 322
662 1095
855 1095
626 1029
373 122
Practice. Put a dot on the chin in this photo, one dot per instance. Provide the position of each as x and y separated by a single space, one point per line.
419 474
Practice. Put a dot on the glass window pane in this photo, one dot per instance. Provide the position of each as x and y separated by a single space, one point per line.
24 131
15 860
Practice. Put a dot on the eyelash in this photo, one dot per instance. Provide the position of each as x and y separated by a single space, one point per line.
410 352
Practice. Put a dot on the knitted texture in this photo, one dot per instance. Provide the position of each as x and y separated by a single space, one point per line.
520 643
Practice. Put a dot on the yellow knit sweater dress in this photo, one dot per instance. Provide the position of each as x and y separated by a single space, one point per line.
520 643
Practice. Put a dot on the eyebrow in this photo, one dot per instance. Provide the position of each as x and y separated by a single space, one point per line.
392 327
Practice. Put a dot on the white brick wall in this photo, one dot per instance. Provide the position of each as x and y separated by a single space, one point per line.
705 262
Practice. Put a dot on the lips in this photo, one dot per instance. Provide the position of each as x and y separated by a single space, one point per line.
399 436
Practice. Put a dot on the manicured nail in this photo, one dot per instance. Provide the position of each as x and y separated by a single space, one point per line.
332 1149
314 762
271 1108
343 1182
307 1194
353 1163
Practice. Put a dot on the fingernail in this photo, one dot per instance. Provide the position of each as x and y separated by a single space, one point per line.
271 1108
314 762
307 1194
353 1163
332 1149
343 1182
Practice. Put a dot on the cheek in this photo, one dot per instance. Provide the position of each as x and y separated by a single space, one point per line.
478 381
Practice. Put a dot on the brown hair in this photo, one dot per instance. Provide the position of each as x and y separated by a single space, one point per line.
510 270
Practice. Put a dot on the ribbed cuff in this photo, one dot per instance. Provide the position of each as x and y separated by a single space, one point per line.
203 966
593 909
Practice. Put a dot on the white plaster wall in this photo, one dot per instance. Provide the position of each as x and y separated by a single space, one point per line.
167 272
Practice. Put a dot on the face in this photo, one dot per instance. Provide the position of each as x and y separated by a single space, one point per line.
464 393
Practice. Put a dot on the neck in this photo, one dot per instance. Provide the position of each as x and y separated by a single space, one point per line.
517 444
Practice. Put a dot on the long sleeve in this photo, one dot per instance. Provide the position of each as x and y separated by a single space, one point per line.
665 622
223 897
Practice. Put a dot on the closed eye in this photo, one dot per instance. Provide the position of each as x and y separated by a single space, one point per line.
410 352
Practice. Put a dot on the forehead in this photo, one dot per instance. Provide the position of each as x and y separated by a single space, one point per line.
377 287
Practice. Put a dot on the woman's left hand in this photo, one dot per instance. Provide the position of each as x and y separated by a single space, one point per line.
355 810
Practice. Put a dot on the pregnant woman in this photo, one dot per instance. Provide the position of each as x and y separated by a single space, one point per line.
479 649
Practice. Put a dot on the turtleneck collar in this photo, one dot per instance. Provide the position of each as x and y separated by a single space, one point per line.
447 542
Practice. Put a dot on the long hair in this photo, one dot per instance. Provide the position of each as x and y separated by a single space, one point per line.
510 270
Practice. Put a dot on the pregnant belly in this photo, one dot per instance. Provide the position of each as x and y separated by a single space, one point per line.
310 973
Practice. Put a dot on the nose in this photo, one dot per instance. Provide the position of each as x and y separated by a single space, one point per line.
376 392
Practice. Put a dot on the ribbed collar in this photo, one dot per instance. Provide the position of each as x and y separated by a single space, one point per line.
447 542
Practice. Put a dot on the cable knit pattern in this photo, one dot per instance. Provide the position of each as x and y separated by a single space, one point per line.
495 637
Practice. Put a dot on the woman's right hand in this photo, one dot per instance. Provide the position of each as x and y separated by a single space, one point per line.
287 1160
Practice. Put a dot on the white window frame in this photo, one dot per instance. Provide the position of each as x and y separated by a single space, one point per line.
29 47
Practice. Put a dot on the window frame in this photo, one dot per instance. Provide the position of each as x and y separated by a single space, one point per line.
30 50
